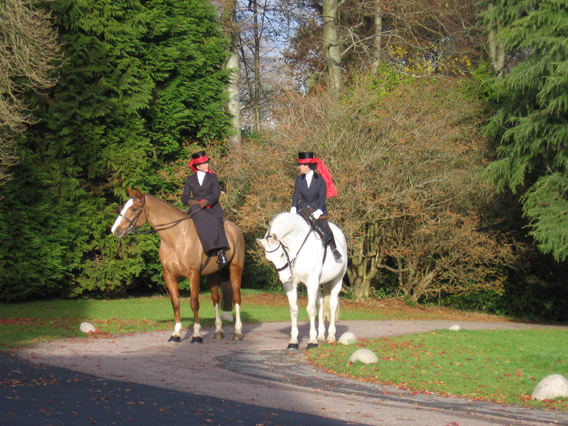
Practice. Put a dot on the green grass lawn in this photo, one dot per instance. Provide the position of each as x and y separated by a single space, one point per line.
492 365
500 366
25 323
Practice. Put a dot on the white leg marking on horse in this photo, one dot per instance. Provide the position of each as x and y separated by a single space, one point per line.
293 302
122 213
218 322
238 323
177 329
196 330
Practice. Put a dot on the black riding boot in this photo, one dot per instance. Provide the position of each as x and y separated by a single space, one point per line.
328 238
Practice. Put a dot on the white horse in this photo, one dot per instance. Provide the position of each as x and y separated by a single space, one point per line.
297 252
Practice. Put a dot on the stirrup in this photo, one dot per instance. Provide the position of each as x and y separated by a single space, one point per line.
221 258
336 254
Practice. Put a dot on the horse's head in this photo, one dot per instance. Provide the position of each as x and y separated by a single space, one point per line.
277 253
131 216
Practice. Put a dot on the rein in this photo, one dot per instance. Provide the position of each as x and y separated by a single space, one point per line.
289 263
160 227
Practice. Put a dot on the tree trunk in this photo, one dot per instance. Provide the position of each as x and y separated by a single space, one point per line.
496 48
228 9
364 260
256 95
331 48
378 35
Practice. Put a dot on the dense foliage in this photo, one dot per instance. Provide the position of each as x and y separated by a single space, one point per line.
141 80
531 125
406 167
142 85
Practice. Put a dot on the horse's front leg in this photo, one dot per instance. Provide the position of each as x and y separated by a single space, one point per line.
311 308
213 280
173 289
292 295
194 301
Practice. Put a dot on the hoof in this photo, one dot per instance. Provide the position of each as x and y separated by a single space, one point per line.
293 346
312 345
218 335
197 340
174 339
238 337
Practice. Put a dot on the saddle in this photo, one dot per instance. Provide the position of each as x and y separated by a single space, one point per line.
306 214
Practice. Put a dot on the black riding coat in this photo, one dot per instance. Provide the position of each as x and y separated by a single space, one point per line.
313 197
208 220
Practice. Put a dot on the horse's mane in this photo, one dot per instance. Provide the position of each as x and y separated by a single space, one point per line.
287 223
166 205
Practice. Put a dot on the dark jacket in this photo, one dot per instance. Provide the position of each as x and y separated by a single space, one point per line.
208 220
313 197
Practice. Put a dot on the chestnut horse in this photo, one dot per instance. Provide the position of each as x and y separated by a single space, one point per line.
181 255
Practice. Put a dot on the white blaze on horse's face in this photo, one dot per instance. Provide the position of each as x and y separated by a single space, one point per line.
118 220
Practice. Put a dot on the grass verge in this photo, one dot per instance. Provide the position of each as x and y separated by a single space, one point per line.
493 365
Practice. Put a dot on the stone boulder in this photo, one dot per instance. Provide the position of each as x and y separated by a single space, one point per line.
227 316
347 338
551 387
87 327
366 356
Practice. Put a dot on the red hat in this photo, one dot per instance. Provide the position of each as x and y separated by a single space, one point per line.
198 158
308 158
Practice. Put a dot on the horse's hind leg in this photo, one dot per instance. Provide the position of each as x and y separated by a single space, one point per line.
173 289
214 286
332 303
321 316
236 276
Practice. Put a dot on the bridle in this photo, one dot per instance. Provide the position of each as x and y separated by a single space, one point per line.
289 263
156 228
132 223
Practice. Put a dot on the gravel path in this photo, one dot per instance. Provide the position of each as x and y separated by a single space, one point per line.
253 382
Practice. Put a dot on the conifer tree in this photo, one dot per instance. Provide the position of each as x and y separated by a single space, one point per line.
531 124
140 80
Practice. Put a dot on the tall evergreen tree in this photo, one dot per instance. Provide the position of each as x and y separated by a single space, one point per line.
140 80
531 125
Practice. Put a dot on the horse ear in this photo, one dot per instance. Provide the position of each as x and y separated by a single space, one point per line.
261 241
136 195
130 192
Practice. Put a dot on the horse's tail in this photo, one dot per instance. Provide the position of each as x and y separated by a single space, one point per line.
326 304
226 290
